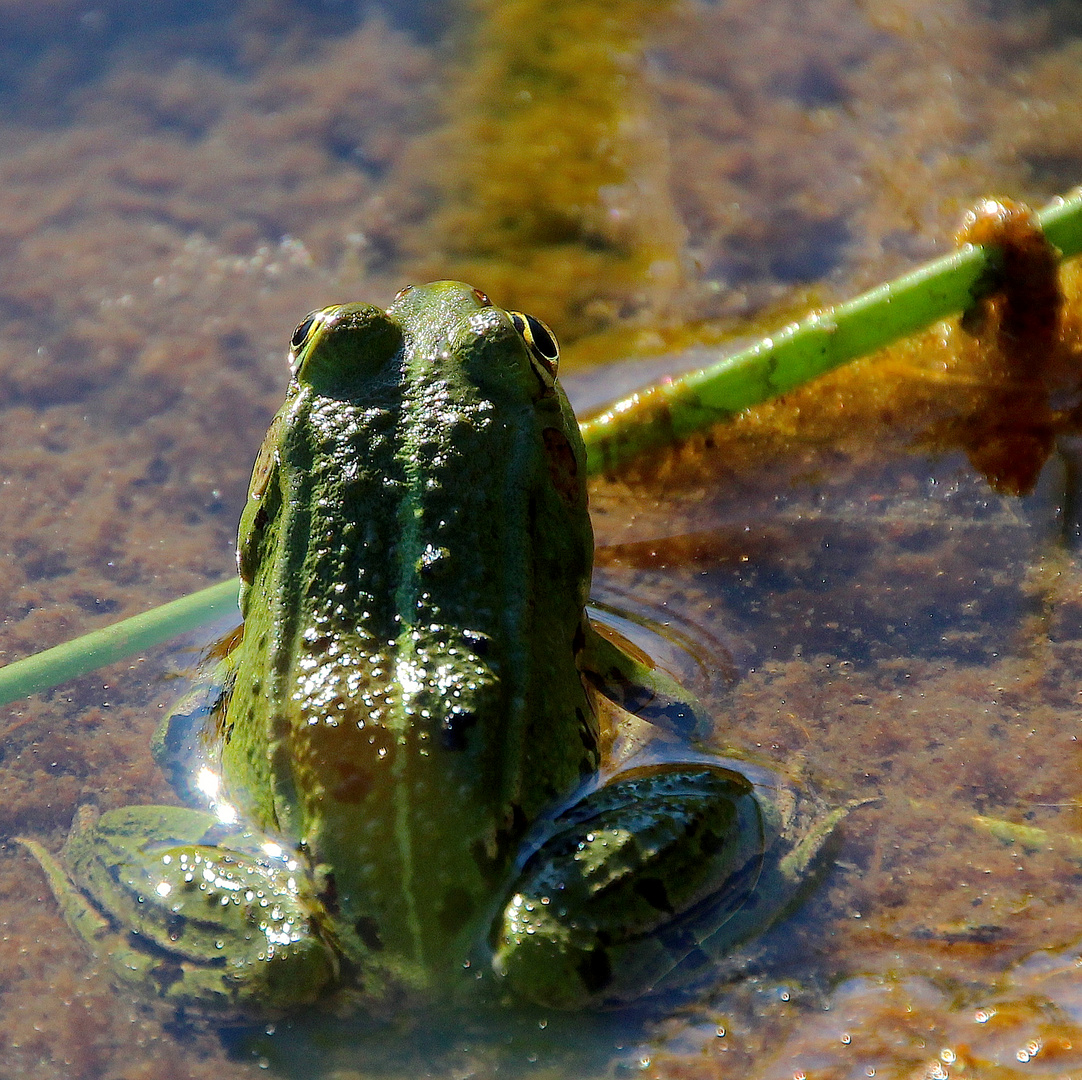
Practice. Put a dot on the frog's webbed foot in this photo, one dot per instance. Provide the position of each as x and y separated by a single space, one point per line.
215 918
630 679
629 882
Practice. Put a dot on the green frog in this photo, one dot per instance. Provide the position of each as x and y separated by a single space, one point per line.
414 773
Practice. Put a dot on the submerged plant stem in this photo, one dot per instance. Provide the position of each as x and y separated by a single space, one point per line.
100 647
644 421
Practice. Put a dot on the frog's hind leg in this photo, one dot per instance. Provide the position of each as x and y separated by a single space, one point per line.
205 915
629 883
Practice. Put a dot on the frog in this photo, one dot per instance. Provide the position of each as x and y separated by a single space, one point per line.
412 772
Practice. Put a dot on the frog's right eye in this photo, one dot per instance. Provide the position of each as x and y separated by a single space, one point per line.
541 344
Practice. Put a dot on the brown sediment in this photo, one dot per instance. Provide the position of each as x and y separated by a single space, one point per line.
1021 296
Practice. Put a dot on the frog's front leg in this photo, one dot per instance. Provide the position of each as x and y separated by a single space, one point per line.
629 882
213 917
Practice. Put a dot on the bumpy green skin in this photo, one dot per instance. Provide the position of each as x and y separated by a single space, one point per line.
407 730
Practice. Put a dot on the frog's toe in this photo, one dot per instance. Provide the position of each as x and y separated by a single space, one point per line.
207 925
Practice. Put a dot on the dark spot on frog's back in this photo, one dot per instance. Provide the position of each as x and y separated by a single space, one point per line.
563 467
710 843
165 975
595 970
175 925
367 930
588 737
653 891
353 783
328 894
454 728
492 858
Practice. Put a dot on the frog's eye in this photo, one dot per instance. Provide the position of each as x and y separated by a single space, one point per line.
401 292
304 330
482 298
541 343
302 336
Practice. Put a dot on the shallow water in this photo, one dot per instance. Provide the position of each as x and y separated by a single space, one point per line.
177 190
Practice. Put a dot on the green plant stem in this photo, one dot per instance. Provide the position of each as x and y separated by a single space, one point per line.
644 421
665 413
100 647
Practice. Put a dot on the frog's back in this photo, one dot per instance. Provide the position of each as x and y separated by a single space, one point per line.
408 696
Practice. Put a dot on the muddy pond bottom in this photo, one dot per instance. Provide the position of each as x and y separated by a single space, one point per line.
895 633
873 622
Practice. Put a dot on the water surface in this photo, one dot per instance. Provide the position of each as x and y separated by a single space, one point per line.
178 188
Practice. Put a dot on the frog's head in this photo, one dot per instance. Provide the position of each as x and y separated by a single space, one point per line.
442 343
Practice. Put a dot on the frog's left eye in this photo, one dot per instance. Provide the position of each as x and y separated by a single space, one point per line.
541 343
304 329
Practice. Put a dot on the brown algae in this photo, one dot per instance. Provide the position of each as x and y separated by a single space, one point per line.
552 185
